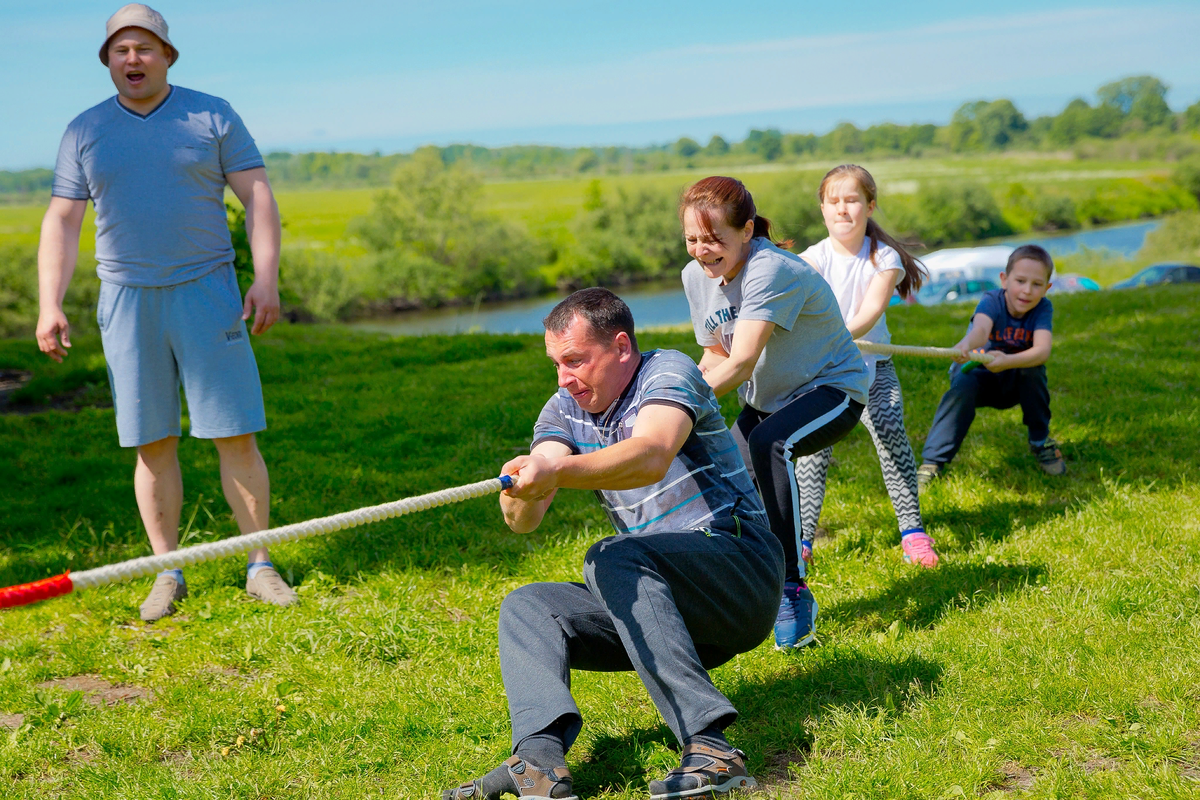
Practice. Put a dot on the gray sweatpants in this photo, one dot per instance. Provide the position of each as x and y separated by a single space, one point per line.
670 605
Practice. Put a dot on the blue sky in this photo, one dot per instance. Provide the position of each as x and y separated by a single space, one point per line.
366 75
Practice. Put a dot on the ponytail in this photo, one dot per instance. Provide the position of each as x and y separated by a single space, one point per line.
914 271
727 199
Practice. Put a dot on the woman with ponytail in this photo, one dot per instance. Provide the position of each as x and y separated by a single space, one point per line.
864 265
770 328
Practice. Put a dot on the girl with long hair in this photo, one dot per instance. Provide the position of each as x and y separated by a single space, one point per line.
864 266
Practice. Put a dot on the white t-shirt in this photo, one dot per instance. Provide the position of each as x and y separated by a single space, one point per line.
850 276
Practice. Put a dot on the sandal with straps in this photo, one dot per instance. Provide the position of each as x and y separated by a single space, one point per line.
721 771
533 783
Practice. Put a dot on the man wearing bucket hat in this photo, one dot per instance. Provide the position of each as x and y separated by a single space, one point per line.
155 161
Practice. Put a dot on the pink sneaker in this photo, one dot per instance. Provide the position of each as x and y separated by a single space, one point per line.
918 549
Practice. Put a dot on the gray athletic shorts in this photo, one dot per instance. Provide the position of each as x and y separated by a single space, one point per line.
158 337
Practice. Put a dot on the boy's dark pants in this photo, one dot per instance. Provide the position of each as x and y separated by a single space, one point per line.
1025 386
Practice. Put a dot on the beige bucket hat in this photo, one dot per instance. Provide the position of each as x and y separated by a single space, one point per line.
136 15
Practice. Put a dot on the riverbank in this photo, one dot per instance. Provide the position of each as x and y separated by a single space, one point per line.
1106 254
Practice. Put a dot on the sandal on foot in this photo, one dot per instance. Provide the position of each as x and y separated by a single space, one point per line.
530 781
713 772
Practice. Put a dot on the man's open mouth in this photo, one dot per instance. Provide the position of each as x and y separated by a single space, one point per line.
135 77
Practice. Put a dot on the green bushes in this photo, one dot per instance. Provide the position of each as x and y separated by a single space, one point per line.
1126 198
434 244
1177 239
19 293
944 214
632 237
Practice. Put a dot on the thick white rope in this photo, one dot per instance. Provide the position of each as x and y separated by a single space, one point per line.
874 348
150 565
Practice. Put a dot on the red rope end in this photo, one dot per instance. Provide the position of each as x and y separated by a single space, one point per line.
28 593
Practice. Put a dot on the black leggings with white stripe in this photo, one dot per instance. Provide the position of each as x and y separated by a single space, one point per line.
769 443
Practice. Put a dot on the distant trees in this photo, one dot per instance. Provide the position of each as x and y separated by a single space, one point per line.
1140 98
983 125
1133 109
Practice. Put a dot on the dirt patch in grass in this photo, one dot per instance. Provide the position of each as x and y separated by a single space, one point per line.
22 393
1099 763
10 381
1189 766
12 721
776 767
98 691
1014 777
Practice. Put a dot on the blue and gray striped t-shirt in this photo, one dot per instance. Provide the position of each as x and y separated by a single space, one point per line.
707 479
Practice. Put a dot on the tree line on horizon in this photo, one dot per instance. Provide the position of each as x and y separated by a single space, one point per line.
1131 109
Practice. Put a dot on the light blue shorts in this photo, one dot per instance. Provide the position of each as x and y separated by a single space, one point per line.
158 337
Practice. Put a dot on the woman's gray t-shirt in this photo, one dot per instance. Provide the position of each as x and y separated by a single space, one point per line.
810 346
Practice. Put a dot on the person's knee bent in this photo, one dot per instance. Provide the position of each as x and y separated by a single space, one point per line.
523 606
613 555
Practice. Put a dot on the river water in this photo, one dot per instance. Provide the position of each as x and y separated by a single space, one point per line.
665 304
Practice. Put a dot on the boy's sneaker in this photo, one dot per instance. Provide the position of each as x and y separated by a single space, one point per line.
710 772
530 781
918 549
927 473
1049 457
161 602
796 623
269 587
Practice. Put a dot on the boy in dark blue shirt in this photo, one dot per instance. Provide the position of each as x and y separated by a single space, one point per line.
1013 325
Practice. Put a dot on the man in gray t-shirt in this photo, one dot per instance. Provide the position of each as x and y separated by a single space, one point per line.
692 577
155 161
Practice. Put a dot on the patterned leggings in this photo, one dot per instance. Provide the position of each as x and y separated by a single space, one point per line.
884 419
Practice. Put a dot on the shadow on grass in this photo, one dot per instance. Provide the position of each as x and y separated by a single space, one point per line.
776 714
922 596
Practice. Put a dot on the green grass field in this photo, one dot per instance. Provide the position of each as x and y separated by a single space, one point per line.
1053 654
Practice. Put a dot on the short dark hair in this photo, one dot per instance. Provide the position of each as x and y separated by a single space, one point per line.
604 311
1034 252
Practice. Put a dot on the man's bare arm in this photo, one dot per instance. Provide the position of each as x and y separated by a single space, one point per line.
264 232
58 251
524 514
640 460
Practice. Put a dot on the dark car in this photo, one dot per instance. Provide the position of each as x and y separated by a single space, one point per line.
960 291
1161 273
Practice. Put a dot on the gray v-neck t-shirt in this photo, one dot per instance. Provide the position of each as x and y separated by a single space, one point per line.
158 184
810 346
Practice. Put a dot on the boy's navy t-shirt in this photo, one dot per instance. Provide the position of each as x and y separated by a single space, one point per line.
1012 334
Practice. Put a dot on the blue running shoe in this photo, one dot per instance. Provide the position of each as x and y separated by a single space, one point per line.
796 623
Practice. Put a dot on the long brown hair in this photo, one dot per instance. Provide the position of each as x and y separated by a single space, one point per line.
725 199
914 271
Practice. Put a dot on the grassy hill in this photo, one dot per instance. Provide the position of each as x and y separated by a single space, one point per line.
1053 653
